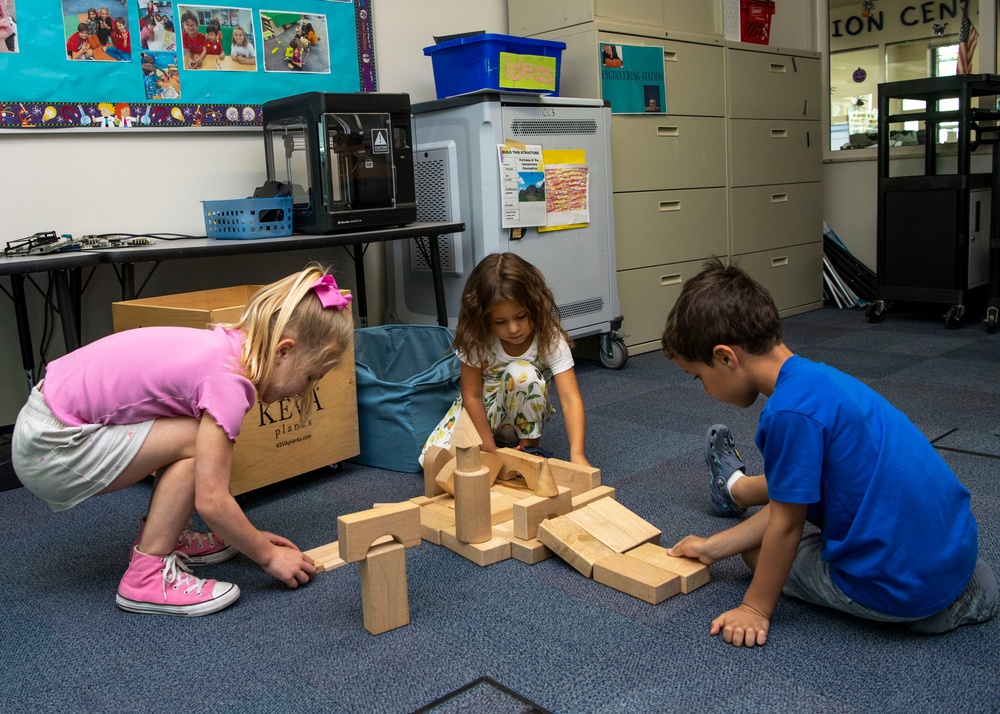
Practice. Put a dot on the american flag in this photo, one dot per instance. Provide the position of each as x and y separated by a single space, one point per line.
968 38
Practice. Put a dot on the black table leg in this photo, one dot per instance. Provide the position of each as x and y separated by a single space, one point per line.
65 299
23 330
436 274
359 278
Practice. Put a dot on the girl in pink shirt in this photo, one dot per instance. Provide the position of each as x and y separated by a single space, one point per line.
170 401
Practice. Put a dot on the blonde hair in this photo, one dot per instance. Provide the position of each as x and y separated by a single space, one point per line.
290 308
499 277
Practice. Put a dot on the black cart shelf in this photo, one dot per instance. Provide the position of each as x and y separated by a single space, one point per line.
937 231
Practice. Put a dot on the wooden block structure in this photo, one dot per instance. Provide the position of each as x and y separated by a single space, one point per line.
377 538
581 522
606 541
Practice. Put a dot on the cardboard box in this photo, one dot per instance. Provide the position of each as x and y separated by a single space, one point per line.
271 446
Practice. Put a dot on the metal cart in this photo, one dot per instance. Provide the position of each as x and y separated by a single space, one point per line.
935 229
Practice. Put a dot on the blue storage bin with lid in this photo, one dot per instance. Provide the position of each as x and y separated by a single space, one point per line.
407 378
498 62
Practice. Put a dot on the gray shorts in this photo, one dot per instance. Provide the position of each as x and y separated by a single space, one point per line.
810 580
63 465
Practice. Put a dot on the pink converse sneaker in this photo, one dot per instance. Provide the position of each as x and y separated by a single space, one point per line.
198 548
163 585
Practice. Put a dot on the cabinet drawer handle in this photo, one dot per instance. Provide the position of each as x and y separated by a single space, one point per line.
669 56
779 68
670 131
779 133
779 262
674 279
669 206
779 198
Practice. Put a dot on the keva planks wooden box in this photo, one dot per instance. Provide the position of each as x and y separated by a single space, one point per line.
271 446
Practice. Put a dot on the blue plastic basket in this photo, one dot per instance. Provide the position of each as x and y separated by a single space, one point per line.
468 64
243 218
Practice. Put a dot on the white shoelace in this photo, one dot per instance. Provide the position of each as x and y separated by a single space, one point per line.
192 536
175 572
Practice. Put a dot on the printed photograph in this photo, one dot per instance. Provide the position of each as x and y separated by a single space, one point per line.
218 38
156 26
8 26
611 55
295 42
159 75
96 33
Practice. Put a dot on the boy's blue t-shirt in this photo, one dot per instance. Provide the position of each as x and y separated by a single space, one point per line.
898 531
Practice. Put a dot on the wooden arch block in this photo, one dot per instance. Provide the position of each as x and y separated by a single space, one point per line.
357 531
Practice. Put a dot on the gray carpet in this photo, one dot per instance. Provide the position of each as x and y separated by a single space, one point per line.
555 638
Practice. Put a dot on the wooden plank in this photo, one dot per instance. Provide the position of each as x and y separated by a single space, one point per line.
358 530
573 544
575 477
693 572
637 578
433 521
529 512
501 507
385 601
614 525
592 495
529 551
492 551
327 557
512 489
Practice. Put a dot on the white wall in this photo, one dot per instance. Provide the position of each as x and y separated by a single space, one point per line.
151 181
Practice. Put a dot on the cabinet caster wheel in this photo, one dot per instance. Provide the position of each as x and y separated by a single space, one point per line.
875 312
613 353
953 319
991 320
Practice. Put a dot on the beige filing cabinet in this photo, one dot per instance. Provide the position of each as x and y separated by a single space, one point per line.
680 178
775 171
668 170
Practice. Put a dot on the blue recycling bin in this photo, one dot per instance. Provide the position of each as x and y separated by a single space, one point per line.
407 378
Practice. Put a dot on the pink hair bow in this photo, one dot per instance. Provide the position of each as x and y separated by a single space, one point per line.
329 294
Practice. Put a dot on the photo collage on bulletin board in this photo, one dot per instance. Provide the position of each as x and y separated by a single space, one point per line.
169 63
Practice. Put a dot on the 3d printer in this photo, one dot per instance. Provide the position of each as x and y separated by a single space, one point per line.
347 159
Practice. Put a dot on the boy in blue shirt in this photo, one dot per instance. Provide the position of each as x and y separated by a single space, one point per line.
897 540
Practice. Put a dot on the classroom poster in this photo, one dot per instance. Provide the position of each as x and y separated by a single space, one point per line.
632 78
522 180
567 189
167 64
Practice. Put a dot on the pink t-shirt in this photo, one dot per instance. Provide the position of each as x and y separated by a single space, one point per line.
151 372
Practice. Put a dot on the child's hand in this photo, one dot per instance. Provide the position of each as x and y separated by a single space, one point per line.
287 563
692 547
741 627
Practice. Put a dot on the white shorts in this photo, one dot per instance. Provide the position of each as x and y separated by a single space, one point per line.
63 465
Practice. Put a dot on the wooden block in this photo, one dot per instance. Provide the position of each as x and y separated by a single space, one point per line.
529 551
573 544
327 557
501 507
493 463
445 479
527 465
433 521
421 500
614 525
575 477
492 551
545 485
530 511
592 495
434 460
693 572
637 578
472 506
358 530
465 435
512 488
385 601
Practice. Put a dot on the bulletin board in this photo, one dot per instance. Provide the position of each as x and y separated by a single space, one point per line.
174 63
